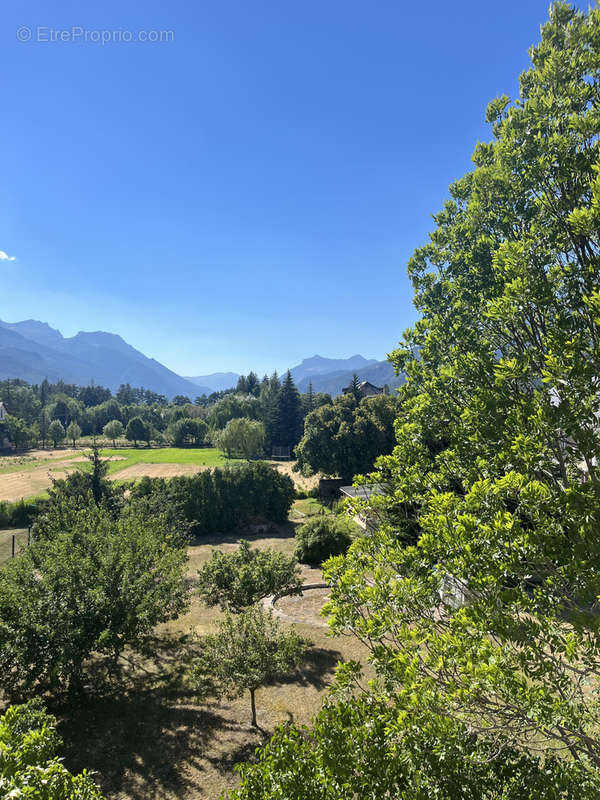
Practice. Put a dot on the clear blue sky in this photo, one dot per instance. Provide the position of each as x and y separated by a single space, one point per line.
248 193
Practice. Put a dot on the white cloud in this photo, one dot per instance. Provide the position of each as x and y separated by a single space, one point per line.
5 257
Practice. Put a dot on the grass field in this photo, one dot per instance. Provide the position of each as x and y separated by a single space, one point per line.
194 458
29 475
152 738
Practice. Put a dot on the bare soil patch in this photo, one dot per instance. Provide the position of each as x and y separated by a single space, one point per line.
303 608
104 458
156 471
43 455
299 480
17 485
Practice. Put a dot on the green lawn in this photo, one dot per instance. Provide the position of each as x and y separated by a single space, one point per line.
205 456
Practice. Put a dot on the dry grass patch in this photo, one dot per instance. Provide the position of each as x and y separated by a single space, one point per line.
156 471
17 485
300 482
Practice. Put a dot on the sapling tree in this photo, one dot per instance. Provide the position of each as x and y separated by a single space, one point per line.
249 651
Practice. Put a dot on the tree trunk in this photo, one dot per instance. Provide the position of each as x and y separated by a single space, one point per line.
253 705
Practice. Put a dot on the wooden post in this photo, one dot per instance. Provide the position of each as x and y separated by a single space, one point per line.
13 546
28 535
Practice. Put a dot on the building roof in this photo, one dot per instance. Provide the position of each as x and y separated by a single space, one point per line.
364 492
365 386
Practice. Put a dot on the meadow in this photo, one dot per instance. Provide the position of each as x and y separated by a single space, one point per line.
29 475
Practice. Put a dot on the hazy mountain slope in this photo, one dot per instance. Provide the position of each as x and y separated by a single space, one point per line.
377 373
102 357
24 358
317 365
215 382
39 332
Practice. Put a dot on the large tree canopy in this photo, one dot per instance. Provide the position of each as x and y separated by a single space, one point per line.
491 614
477 594
346 437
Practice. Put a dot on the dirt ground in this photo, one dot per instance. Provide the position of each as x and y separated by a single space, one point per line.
152 739
156 471
15 485
299 480
34 480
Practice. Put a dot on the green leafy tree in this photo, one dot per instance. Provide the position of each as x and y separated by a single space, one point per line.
345 438
73 432
113 430
242 437
91 584
56 432
248 651
29 765
363 748
238 580
18 431
321 537
495 466
185 430
136 430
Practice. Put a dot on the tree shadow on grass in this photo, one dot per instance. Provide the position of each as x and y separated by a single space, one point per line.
143 732
272 531
139 744
317 668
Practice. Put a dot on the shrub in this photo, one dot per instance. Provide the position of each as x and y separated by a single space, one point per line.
20 514
321 537
29 767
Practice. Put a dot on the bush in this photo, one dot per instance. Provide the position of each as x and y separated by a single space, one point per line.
321 537
28 764
20 514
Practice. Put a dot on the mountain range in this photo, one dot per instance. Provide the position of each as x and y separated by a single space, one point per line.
32 350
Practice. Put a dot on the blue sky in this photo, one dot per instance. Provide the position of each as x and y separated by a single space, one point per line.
248 193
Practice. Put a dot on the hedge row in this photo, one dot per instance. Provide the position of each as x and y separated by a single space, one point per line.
20 514
218 500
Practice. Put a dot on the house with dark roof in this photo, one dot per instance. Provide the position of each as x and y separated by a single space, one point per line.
367 389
